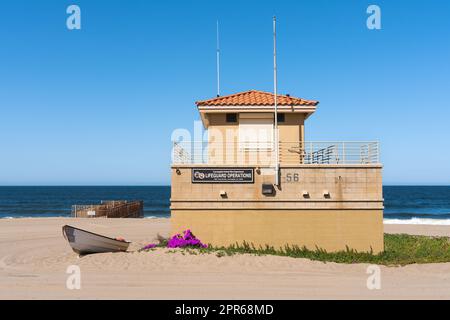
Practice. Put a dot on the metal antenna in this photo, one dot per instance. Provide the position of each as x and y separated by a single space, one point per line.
277 155
218 61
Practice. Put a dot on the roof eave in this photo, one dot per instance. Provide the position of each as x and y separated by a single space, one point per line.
204 110
252 108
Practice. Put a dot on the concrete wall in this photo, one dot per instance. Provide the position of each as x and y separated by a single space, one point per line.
350 214
290 130
326 206
332 230
222 135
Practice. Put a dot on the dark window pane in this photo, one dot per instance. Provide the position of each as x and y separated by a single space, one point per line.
231 117
280 117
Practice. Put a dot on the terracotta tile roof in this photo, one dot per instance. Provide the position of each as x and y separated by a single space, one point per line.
256 98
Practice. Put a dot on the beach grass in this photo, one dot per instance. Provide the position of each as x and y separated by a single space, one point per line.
400 249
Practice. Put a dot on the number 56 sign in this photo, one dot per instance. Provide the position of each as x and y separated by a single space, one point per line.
292 177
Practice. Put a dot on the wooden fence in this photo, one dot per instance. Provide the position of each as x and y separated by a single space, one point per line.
110 209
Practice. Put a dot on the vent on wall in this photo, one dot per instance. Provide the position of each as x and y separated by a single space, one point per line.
268 189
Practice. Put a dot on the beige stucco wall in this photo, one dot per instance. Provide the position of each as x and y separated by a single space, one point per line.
352 213
332 230
347 184
289 130
223 138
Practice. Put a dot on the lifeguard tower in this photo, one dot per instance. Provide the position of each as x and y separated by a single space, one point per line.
248 182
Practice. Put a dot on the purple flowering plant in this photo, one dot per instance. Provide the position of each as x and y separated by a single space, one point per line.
185 240
188 239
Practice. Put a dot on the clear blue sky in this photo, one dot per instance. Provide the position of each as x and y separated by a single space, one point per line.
97 106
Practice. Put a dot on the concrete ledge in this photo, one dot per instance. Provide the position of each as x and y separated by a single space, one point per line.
277 201
319 166
280 205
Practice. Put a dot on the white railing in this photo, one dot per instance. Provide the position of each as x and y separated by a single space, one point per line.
311 152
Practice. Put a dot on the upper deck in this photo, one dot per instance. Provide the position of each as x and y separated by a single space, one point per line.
263 154
242 129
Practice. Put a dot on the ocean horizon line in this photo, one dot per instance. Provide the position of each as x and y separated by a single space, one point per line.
400 202
168 185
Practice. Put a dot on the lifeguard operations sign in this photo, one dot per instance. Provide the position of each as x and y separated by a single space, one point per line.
222 175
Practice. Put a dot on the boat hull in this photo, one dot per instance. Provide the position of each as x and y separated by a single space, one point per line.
84 242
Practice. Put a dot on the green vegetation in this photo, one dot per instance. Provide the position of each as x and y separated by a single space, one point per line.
400 249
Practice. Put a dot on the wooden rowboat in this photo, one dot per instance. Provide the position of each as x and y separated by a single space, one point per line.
84 242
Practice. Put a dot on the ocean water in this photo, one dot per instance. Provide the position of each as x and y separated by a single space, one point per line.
403 204
18 202
417 204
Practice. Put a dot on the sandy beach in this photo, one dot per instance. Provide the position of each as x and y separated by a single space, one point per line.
34 258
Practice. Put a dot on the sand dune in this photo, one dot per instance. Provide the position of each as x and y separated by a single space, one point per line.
34 258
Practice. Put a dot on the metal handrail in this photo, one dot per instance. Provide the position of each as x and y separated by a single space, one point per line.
263 152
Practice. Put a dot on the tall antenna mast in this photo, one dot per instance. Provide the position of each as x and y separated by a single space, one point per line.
218 61
277 152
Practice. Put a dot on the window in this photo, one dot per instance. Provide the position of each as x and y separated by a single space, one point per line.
280 117
256 130
231 117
